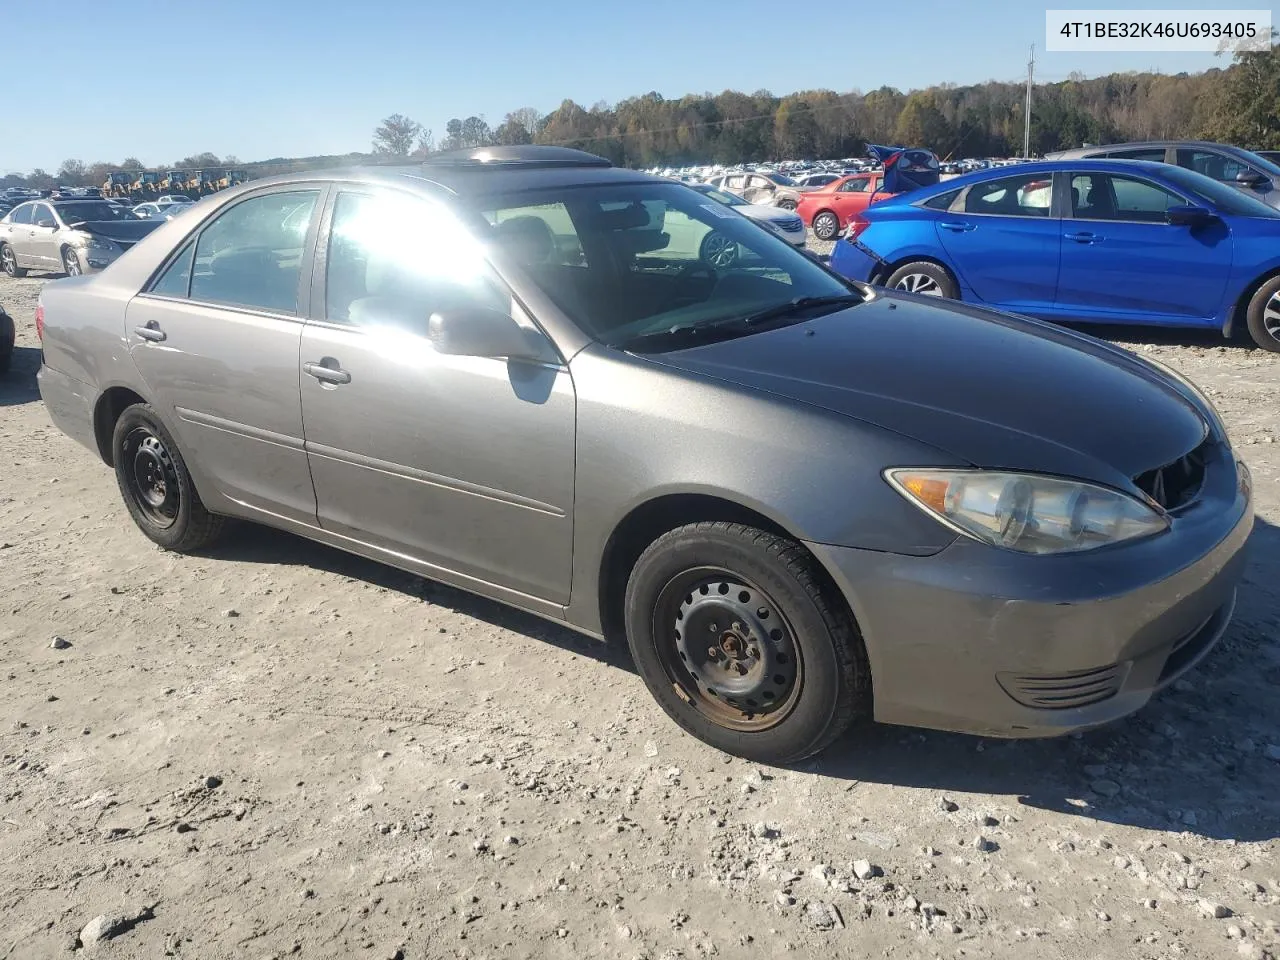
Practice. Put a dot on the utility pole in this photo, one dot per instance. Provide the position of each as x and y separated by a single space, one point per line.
1026 123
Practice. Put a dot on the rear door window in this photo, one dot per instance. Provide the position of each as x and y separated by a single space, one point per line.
1029 195
22 214
856 185
251 255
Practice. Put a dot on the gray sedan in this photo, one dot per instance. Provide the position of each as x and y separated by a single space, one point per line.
803 502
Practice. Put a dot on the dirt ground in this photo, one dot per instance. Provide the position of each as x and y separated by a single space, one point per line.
280 750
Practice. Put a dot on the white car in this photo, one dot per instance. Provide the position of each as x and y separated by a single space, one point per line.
785 223
169 198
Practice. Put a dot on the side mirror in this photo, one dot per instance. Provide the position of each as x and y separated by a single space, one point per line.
46 222
478 332
1188 215
1250 178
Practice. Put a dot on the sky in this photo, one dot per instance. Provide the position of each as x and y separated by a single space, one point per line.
268 78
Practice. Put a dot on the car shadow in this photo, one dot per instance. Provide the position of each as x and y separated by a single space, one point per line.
18 386
1191 760
1177 765
257 544
1165 336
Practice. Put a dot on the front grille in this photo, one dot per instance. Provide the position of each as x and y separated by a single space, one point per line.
790 224
1061 691
1175 484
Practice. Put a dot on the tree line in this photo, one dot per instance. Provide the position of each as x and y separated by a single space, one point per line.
1239 103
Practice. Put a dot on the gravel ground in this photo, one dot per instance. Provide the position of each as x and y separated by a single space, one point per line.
281 750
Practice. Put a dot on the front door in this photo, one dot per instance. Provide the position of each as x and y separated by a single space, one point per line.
1121 261
1004 241
216 337
1228 169
465 464
43 244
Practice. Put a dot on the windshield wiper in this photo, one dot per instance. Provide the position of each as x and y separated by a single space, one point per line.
798 304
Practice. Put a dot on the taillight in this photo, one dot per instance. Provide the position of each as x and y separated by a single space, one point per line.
40 320
856 226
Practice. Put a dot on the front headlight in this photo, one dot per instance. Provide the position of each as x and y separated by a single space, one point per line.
1026 512
87 241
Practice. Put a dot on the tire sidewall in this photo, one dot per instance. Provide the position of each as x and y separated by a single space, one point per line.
1254 316
142 415
938 273
813 712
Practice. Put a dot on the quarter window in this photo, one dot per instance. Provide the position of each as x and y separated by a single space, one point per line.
394 261
1030 195
1097 196
251 255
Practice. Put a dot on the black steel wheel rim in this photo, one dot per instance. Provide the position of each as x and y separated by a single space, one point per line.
728 649
153 478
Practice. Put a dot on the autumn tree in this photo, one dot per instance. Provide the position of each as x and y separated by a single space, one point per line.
396 135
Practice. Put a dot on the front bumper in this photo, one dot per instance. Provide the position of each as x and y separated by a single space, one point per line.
854 261
94 260
980 640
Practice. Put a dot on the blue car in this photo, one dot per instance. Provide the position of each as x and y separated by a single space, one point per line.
1106 241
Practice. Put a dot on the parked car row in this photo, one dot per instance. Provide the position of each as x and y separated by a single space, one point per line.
67 236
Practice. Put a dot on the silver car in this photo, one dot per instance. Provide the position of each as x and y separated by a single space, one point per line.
802 501
67 236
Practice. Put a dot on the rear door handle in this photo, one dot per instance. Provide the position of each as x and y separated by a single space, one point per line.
151 332
326 370
957 227
1083 237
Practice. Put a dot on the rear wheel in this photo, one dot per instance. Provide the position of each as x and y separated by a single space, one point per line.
1263 315
826 225
156 486
9 262
71 262
924 278
736 637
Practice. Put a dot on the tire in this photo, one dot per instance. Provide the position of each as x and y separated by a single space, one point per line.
718 251
786 203
1263 316
778 690
826 225
9 262
173 516
70 263
925 278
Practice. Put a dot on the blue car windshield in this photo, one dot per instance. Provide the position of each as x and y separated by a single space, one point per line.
1225 198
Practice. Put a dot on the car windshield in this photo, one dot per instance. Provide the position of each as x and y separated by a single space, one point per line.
1225 198
83 211
653 265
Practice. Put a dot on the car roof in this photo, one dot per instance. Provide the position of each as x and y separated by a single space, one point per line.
1140 144
1046 167
486 171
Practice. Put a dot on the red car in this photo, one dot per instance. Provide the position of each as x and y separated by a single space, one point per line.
829 209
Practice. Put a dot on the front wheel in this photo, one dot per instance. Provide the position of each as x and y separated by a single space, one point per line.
826 225
735 634
1263 316
70 262
156 486
9 262
718 250
786 203
924 278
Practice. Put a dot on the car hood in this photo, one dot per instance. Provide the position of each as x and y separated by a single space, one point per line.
760 211
121 231
993 390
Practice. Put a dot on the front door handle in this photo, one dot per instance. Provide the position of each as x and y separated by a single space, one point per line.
326 370
151 332
1083 237
957 227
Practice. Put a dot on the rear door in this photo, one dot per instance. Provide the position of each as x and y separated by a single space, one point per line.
1004 241
1121 261
216 338
22 236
